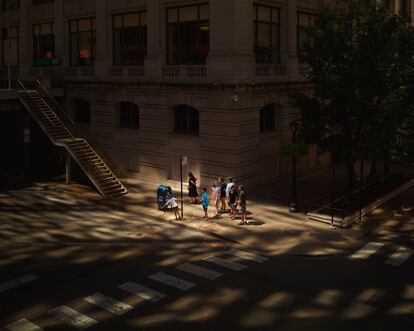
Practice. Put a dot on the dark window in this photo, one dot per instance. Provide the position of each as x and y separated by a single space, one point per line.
405 7
186 120
128 115
130 38
43 43
13 4
82 111
266 34
38 2
267 119
188 34
82 42
14 47
305 21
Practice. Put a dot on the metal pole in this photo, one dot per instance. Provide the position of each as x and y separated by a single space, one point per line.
333 191
8 44
181 176
360 188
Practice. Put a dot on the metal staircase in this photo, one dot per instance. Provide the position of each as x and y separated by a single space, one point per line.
59 127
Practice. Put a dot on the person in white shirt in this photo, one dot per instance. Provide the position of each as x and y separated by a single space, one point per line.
230 184
173 203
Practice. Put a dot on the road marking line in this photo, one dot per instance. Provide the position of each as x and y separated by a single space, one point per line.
400 256
142 291
108 303
17 282
366 251
172 281
199 271
246 255
23 325
72 317
226 263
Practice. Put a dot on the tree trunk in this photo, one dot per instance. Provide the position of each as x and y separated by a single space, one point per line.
387 166
350 170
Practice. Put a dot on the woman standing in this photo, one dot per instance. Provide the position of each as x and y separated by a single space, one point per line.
192 188
223 198
233 202
215 196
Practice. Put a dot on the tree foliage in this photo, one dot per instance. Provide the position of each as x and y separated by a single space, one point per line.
362 64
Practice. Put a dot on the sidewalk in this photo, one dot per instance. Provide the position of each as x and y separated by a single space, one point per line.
272 227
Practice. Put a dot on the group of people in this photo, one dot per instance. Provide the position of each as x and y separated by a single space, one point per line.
223 193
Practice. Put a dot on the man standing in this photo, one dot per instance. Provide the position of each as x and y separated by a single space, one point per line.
242 205
230 184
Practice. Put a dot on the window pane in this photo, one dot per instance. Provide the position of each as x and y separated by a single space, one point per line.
188 14
118 21
204 12
180 119
263 35
131 20
172 15
143 20
36 30
45 29
74 26
263 14
84 25
275 15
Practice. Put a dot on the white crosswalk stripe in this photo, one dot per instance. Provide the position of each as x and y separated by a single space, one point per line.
110 304
142 291
247 255
23 325
366 251
225 263
17 282
172 281
400 256
199 271
72 317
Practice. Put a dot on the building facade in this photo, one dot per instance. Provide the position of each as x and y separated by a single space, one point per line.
150 81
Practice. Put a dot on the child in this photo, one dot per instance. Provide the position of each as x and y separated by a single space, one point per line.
204 201
173 203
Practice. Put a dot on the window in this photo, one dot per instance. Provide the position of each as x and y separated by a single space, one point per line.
82 111
305 20
130 38
38 2
43 44
82 42
13 4
186 120
404 7
128 115
267 119
188 35
14 47
266 34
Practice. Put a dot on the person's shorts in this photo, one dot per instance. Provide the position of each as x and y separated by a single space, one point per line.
205 208
175 208
232 205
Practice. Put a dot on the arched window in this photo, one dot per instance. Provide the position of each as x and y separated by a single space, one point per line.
82 111
186 120
267 118
128 115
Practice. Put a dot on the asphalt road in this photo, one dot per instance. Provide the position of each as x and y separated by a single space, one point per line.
68 266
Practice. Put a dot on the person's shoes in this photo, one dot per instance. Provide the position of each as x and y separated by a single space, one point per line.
241 223
247 222
332 227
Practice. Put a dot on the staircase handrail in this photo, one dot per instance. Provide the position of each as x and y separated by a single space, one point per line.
55 105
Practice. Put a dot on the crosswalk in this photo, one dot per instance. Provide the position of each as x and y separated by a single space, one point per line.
397 258
81 321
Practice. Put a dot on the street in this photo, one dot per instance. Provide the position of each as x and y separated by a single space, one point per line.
67 264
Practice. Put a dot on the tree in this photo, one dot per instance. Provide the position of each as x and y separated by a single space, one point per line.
361 60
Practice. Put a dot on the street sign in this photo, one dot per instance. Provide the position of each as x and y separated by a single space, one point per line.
184 161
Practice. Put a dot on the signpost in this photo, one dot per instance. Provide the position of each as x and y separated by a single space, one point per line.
183 162
362 169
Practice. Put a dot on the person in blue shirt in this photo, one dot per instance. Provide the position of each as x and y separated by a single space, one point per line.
204 202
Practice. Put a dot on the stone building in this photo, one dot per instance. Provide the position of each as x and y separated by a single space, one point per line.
149 81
